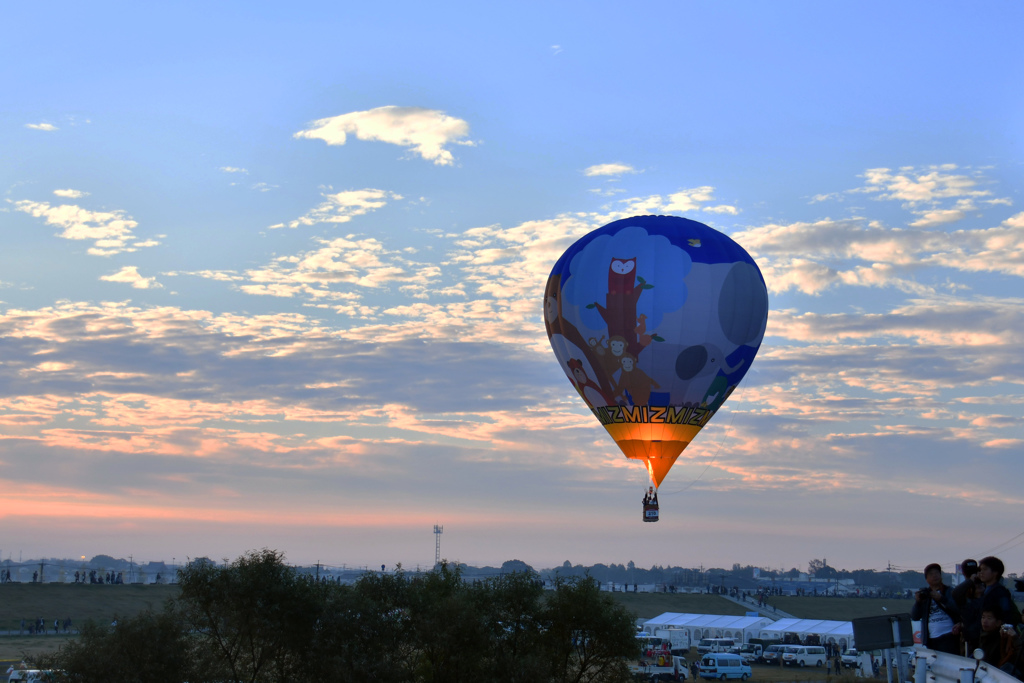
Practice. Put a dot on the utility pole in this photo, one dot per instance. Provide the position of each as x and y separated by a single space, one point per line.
438 530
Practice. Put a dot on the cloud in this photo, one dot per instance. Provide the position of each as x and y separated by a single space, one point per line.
722 208
70 194
342 206
234 169
614 169
425 131
928 191
337 272
41 126
364 262
130 275
694 199
916 186
813 257
930 218
955 322
110 231
410 362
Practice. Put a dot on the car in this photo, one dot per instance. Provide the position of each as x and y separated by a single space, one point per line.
724 665
849 659
32 676
802 655
750 652
773 655
707 645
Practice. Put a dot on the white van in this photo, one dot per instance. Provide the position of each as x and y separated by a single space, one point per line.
723 665
707 645
802 655
31 676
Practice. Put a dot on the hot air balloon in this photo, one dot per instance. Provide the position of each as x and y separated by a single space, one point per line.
655 320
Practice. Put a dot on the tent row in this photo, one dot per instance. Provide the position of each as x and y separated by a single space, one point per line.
697 626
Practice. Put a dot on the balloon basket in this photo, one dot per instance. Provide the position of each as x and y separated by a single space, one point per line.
650 513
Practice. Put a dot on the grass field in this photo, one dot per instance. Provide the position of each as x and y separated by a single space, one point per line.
79 602
650 605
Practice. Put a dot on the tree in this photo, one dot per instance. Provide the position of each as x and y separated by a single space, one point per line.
511 606
260 621
447 626
826 572
146 647
257 614
589 637
108 562
510 566
364 633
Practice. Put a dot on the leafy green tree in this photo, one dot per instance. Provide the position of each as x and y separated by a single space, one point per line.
512 607
510 566
826 572
257 614
108 561
589 637
447 626
260 621
151 647
364 634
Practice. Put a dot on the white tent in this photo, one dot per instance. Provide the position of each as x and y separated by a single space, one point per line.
838 632
697 626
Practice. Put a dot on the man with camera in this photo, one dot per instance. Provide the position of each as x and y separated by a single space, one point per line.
940 619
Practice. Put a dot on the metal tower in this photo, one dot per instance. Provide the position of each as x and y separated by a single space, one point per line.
438 530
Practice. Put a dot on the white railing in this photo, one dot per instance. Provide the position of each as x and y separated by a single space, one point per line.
938 667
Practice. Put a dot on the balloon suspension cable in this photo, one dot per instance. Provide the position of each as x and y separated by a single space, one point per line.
732 418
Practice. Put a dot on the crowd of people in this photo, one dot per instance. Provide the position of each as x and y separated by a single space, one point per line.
979 613
39 627
94 577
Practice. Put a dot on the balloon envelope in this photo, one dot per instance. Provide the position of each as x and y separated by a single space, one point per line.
655 320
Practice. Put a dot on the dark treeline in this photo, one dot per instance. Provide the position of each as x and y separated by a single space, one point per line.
691 576
896 579
259 620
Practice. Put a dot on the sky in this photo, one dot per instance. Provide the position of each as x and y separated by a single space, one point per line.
271 276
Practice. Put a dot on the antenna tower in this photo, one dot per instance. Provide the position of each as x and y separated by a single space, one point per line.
438 530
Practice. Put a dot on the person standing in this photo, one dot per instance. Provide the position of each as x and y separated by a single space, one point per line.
997 598
940 619
964 590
